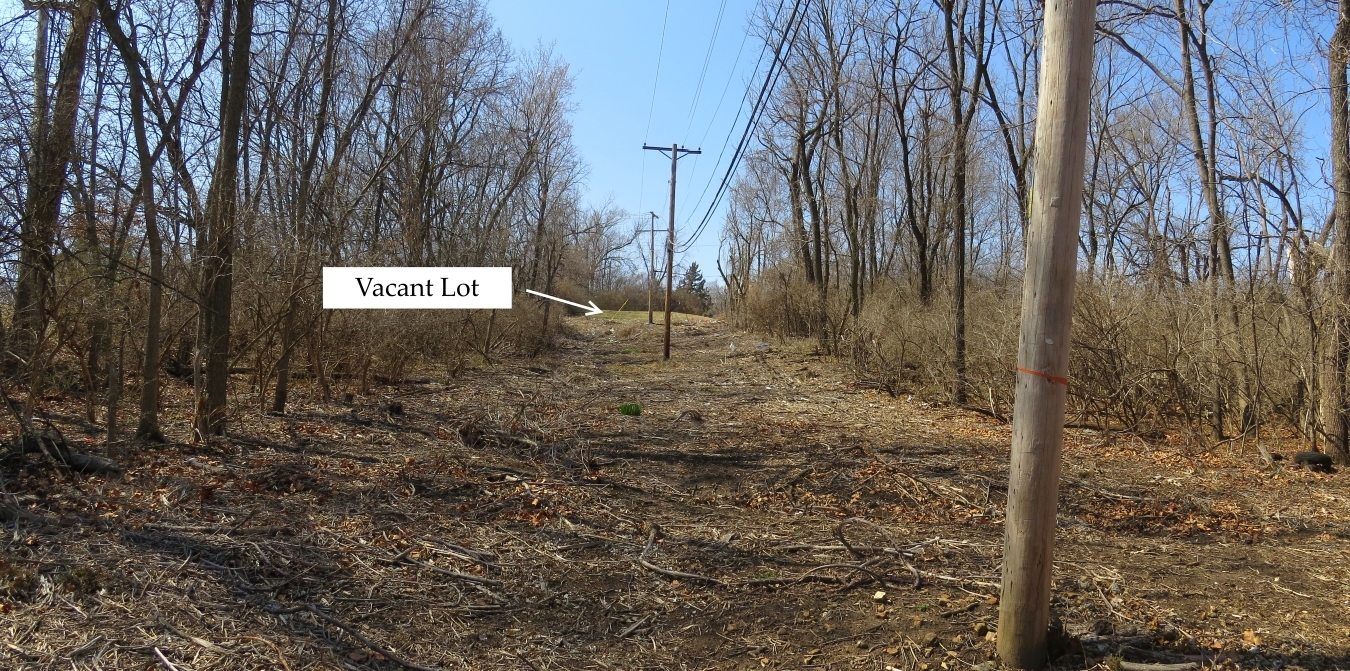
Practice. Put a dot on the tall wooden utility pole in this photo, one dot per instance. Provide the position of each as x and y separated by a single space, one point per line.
651 268
1047 311
675 152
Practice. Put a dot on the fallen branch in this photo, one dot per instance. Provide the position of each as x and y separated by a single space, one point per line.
87 463
1134 666
195 639
527 662
403 557
680 575
863 567
893 551
836 548
984 411
634 627
21 652
225 531
13 513
787 582
280 658
962 581
791 481
202 465
53 445
86 647
167 664
858 568
369 644
850 637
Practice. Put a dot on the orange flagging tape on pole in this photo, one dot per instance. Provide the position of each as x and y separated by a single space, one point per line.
1053 378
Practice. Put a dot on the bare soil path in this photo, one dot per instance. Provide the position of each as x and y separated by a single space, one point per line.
762 512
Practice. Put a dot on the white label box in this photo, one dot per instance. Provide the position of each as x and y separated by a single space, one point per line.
417 288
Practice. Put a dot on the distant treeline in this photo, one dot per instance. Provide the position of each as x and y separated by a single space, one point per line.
174 175
883 207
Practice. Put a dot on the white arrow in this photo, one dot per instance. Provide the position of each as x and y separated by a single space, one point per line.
592 310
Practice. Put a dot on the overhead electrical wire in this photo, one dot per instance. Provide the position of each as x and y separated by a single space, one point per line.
707 58
734 122
764 52
789 35
702 76
726 87
656 81
712 119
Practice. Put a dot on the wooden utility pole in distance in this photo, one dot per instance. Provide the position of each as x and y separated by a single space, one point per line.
1047 312
675 152
651 268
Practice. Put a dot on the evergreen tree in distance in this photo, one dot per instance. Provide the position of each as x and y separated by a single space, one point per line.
694 284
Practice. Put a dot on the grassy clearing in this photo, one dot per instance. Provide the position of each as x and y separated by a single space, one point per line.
631 316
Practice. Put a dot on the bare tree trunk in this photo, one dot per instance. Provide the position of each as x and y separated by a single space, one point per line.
148 424
1335 419
105 269
52 144
21 339
959 161
110 425
1220 253
795 199
219 233
962 119
899 103
115 388
289 340
316 349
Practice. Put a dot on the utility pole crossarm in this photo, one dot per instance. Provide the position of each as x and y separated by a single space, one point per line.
663 150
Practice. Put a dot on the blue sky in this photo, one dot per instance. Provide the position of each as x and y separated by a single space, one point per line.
612 47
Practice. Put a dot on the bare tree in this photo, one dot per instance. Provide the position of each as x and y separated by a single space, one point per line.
52 143
1336 417
955 14
217 237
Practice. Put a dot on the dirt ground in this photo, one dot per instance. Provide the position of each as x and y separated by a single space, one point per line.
764 511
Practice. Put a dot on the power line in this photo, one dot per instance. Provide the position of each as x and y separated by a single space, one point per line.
712 119
793 26
725 88
698 89
734 122
660 51
707 58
